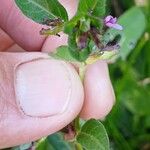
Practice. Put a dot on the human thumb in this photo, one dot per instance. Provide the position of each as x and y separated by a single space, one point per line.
38 96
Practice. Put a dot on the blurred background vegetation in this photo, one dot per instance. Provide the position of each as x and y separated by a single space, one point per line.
128 125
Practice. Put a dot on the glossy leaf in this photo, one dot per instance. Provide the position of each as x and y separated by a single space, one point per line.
93 136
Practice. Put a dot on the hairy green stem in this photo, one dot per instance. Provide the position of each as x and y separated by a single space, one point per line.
82 70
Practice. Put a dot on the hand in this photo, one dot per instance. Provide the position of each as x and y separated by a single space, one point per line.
40 95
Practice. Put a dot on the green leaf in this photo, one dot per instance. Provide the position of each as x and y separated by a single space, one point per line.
105 56
94 7
72 23
93 136
39 10
80 55
138 101
63 53
57 142
147 122
43 144
22 147
133 22
90 11
53 142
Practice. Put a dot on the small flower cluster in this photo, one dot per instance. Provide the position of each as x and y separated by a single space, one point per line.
111 22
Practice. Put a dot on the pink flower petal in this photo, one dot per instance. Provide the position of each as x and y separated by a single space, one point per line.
111 22
109 25
108 18
117 26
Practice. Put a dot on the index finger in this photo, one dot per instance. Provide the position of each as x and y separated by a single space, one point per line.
24 31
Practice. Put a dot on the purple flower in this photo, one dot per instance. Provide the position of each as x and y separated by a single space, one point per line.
111 22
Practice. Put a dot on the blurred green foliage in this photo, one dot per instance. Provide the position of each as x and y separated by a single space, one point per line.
128 125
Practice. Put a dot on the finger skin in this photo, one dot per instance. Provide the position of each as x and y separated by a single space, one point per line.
15 48
53 42
24 31
18 127
5 41
99 94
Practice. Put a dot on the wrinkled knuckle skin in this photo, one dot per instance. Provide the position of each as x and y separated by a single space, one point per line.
6 89
5 96
8 107
4 80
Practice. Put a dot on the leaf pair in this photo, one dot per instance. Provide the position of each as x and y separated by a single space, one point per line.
92 136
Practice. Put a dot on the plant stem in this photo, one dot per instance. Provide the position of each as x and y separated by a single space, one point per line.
82 70
78 146
77 124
